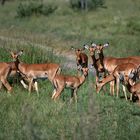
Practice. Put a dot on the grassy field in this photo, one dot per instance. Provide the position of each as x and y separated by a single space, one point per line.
49 39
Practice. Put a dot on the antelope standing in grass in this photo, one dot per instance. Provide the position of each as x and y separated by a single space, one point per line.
95 62
81 59
32 72
73 82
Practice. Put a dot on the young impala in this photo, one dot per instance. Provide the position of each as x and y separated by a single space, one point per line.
73 82
81 59
135 89
126 73
32 72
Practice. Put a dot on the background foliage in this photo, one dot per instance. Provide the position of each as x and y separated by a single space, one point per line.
86 4
29 8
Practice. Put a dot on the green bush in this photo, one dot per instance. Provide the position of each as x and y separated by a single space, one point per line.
34 8
86 4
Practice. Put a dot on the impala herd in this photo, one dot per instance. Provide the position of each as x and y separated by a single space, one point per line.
108 70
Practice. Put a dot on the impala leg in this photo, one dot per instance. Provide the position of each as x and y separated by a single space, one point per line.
97 84
72 94
96 78
36 87
98 87
0 84
124 91
30 85
6 84
23 84
131 95
117 86
57 94
75 95
139 98
112 84
54 92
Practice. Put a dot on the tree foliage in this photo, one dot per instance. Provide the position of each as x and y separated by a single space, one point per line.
86 4
34 8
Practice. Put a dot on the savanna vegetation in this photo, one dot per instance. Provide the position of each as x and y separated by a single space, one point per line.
47 35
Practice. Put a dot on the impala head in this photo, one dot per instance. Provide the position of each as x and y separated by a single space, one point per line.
100 47
78 51
128 78
15 55
91 48
85 71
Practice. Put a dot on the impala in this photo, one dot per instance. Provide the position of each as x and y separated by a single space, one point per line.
110 63
125 73
81 59
32 72
95 62
135 89
5 70
14 69
73 82
8 69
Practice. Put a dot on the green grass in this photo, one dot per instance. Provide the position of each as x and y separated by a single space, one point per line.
42 38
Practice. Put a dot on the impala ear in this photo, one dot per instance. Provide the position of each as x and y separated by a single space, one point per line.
121 76
72 48
85 46
106 45
12 54
93 45
20 53
132 74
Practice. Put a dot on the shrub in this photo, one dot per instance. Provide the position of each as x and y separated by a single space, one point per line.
86 4
34 8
